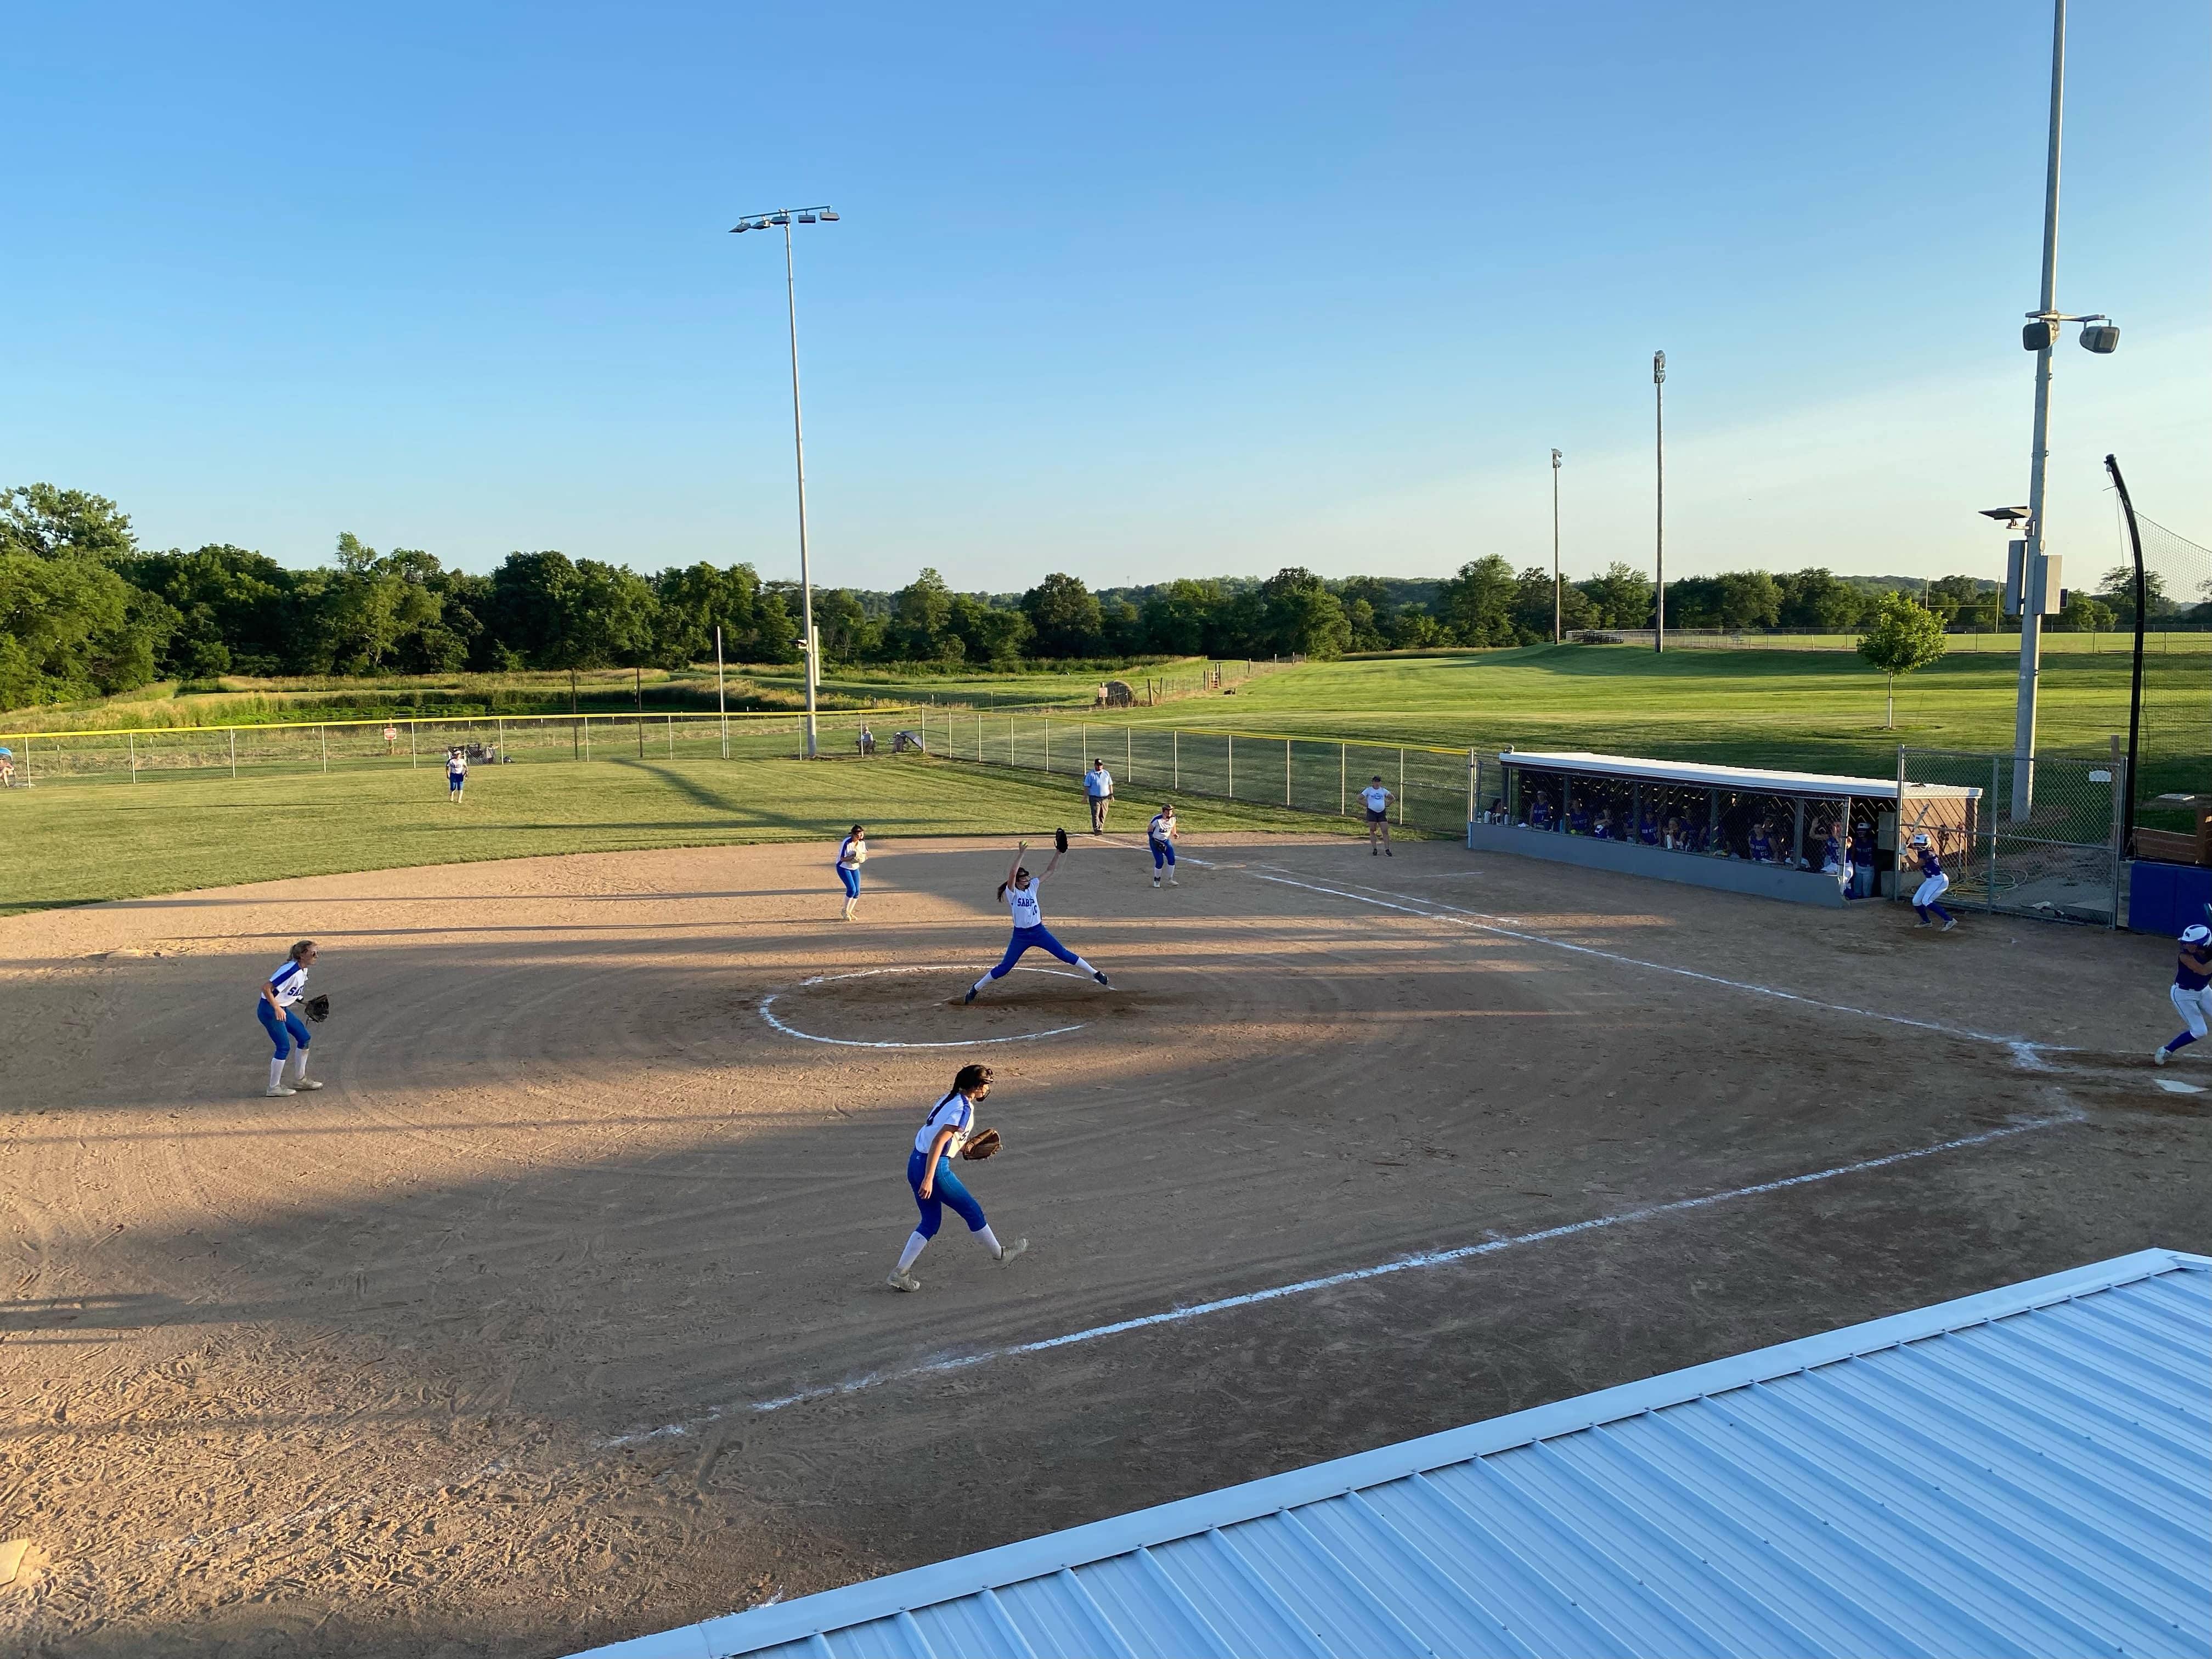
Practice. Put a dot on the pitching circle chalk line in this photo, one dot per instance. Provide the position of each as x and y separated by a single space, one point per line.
767 1013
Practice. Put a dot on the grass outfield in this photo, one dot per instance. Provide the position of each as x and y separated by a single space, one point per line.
83 840
1746 708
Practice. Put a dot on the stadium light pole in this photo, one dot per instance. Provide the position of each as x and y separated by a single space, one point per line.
1555 636
2040 335
1659 527
810 657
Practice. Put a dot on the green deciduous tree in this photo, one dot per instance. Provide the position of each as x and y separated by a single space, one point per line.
1064 616
1901 636
1477 603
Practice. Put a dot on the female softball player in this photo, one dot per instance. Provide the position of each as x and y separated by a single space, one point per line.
1376 799
852 854
1019 890
1160 835
457 775
1926 898
280 994
2191 991
945 1134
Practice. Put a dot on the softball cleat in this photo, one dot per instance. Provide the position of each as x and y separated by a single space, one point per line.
899 1281
1008 1252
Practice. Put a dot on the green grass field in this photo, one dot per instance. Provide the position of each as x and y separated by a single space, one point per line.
78 838
81 840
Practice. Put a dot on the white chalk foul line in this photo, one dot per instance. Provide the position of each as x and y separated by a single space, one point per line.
928 968
2026 1052
1423 1260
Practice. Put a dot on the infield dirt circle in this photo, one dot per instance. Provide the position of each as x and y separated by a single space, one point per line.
558 1316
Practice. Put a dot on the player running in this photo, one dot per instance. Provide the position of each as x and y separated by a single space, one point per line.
852 854
947 1134
1160 835
1019 890
280 994
2192 992
1926 898
1376 799
457 775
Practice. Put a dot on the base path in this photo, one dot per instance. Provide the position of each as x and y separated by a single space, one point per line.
558 1316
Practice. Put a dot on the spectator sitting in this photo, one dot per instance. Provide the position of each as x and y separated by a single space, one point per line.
865 741
1762 843
1497 813
1578 819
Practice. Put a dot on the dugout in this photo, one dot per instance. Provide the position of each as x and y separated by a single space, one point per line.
1741 829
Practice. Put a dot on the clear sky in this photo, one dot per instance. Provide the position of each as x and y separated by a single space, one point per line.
1135 291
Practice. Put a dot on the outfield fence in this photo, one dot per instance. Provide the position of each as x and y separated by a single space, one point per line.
135 755
1430 787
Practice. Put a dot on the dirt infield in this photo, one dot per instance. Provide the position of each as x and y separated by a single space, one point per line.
558 1316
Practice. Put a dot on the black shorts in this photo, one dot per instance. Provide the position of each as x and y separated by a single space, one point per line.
1373 817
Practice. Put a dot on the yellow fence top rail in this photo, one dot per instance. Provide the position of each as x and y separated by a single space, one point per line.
457 719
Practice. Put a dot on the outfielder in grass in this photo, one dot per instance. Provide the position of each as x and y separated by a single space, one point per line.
949 1132
282 994
1019 892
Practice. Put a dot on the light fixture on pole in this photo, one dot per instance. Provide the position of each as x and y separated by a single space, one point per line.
810 656
2029 586
1659 526
1555 636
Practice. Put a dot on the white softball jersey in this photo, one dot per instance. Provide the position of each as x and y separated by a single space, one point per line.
288 983
1022 902
954 1112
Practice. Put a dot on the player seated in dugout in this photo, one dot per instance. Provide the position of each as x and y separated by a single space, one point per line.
1539 811
1761 845
1647 830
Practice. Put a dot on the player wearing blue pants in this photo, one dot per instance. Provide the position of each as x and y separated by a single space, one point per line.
280 992
1926 898
1160 835
940 1139
852 854
1019 890
2192 992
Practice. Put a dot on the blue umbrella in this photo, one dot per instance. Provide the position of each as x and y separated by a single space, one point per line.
5 750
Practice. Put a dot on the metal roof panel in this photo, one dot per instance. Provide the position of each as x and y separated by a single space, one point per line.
2027 1471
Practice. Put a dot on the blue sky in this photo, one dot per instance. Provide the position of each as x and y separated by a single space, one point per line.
1133 292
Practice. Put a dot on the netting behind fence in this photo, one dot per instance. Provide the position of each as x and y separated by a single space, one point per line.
2174 748
1306 774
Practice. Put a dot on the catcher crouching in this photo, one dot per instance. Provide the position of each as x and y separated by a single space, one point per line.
949 1132
283 999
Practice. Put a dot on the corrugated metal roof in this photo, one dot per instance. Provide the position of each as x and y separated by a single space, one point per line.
1822 784
2027 1471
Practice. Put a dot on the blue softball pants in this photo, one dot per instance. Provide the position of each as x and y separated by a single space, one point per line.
1162 852
283 1034
851 877
1025 939
946 1189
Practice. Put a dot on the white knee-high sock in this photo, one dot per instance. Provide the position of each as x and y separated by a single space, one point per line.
981 982
990 1241
298 1067
915 1244
276 1073
1085 966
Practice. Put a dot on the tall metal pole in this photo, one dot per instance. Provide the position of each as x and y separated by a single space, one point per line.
1555 636
799 449
2031 574
721 699
1659 528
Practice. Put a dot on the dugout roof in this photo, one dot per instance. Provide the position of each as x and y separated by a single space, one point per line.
1825 785
2021 1472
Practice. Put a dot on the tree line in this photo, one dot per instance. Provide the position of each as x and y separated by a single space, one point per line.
85 610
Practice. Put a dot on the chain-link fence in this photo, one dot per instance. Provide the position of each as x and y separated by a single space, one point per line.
2061 861
1428 787
134 757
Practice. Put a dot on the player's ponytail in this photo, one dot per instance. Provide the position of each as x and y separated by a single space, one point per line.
970 1078
1002 892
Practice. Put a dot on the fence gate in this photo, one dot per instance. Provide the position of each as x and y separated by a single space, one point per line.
2060 862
